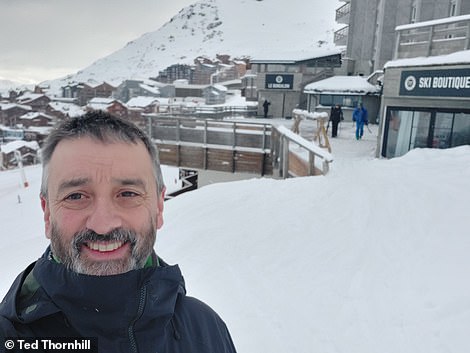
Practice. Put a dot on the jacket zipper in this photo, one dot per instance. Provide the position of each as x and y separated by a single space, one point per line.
140 310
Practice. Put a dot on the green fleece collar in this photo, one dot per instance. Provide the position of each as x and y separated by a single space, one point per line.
151 262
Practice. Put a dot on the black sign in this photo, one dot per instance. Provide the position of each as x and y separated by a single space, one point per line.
436 83
279 81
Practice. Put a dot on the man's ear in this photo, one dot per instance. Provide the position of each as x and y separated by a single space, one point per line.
47 215
160 203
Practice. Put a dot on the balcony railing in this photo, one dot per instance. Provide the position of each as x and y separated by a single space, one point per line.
341 36
342 14
431 38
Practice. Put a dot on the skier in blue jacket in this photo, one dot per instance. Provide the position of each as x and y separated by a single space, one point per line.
360 117
102 196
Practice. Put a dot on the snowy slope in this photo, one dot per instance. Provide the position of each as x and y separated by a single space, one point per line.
239 28
371 258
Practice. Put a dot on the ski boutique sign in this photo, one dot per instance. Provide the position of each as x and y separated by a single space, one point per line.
435 83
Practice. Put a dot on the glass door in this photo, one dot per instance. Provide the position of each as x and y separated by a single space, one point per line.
442 130
420 129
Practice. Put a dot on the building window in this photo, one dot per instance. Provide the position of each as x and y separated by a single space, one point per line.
329 100
454 8
414 12
406 129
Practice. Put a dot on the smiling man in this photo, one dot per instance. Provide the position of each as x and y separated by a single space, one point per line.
102 195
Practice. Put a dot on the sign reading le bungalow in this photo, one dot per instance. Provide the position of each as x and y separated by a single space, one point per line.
436 83
279 81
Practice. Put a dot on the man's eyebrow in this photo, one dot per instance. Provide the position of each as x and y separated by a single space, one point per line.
72 183
130 182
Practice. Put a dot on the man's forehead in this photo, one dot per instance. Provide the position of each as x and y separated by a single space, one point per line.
74 155
78 145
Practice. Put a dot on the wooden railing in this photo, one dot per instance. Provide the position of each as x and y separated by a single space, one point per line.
227 146
207 111
210 132
236 146
296 156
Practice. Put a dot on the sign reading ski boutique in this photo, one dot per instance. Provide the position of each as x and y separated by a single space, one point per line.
436 83
279 81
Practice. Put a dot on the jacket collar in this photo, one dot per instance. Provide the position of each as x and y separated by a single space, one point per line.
95 304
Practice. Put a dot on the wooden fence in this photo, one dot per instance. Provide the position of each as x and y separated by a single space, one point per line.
294 156
213 144
236 146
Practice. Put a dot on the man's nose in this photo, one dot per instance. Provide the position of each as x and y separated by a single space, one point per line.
104 217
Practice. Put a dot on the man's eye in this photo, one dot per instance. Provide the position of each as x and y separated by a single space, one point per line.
74 196
130 199
76 201
128 194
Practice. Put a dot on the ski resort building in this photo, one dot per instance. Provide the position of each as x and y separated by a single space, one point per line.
282 81
426 71
347 91
426 104
369 29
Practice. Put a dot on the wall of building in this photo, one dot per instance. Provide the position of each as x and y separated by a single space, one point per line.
371 38
361 35
283 101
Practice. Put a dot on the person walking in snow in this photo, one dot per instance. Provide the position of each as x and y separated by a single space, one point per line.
336 116
361 119
102 195
266 105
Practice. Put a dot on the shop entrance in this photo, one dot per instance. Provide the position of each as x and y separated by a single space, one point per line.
406 129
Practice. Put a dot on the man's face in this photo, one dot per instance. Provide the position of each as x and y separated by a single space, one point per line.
103 207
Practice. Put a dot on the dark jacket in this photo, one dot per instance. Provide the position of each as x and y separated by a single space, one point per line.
139 311
336 114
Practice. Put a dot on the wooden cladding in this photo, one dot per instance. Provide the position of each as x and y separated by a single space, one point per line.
213 158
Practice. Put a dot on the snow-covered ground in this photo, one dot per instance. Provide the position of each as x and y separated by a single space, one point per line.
371 258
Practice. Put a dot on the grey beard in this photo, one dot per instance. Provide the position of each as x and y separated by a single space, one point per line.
70 253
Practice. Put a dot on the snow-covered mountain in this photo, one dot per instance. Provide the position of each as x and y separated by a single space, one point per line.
239 28
7 85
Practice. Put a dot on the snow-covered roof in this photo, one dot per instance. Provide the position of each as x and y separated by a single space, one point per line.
459 57
99 103
44 130
34 115
9 106
440 21
141 102
28 96
72 110
101 100
220 87
150 89
14 145
7 128
294 57
342 85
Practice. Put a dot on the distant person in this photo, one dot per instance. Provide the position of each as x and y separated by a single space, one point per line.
102 195
266 105
336 116
361 119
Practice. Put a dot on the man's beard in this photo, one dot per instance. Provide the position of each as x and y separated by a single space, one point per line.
70 256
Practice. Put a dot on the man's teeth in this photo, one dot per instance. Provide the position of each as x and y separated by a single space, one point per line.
104 247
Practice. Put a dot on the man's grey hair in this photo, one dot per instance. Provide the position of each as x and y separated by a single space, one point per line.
102 127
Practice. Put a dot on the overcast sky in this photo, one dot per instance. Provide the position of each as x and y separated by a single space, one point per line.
47 39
